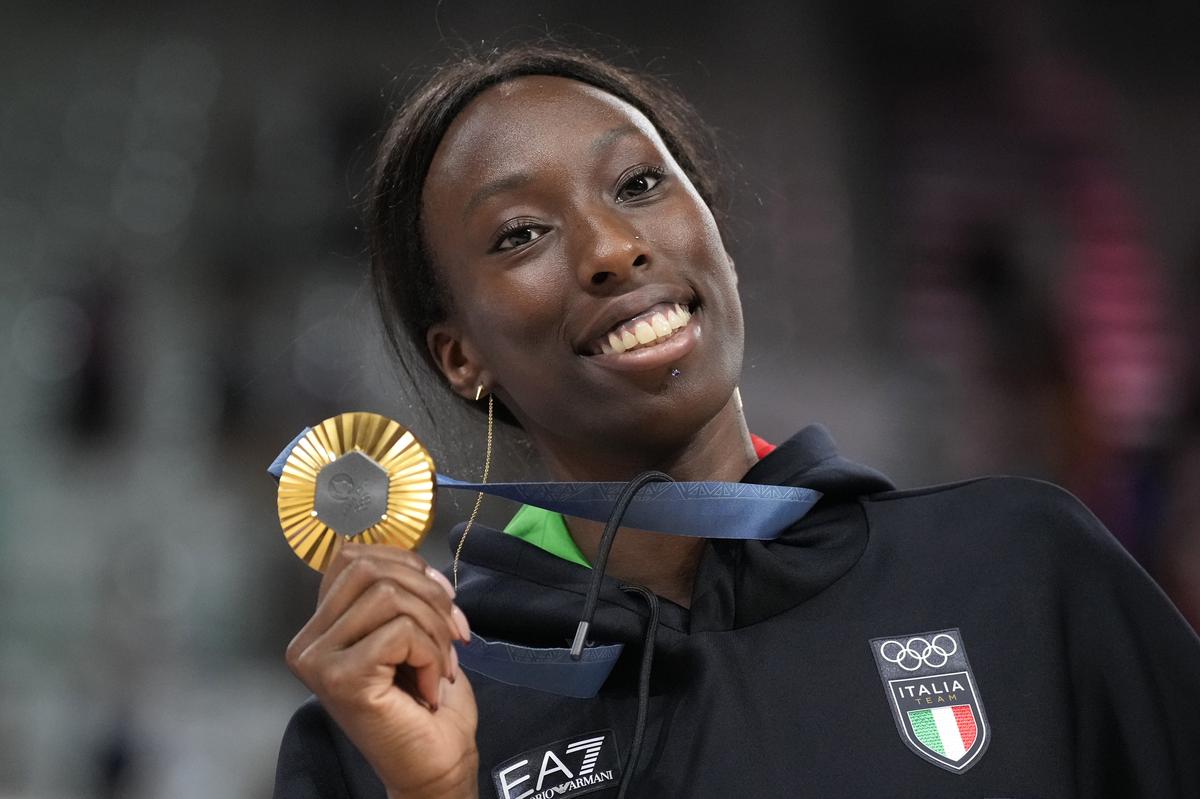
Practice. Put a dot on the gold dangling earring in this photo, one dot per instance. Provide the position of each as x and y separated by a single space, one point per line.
487 465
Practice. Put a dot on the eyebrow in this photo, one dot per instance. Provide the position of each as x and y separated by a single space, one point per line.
492 188
519 179
609 136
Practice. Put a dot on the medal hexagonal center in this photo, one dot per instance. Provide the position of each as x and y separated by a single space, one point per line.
352 493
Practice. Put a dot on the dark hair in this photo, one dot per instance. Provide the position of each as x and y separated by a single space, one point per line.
408 293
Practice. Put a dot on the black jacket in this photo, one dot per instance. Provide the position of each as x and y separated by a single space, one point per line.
819 664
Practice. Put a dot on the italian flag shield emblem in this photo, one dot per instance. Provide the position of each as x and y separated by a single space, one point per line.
934 697
948 731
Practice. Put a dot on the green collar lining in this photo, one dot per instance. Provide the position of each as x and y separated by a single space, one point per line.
547 530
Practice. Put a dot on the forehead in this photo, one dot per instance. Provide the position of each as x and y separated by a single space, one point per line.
530 119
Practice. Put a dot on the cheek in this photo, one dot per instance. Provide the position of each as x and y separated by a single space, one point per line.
689 231
692 238
515 310
689 236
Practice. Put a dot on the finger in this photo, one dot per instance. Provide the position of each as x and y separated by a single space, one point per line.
401 642
349 553
392 554
387 561
358 573
383 601
429 683
461 624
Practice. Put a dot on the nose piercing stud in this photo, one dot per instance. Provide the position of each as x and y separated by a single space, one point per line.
675 373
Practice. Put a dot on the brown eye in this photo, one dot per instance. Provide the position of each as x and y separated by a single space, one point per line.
518 237
639 184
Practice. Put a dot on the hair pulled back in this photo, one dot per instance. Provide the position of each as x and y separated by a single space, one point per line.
408 293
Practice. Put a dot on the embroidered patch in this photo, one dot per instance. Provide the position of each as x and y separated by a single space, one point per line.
571 767
934 698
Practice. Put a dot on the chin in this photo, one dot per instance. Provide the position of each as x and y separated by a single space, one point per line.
665 420
648 411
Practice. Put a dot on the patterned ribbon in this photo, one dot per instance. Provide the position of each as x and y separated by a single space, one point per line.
707 509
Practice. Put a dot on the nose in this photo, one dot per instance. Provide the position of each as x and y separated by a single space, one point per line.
610 251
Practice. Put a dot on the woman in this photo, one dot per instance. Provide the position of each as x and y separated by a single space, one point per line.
543 234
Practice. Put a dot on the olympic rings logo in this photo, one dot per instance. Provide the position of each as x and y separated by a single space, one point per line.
918 652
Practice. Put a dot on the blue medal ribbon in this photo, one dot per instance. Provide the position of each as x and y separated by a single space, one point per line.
708 509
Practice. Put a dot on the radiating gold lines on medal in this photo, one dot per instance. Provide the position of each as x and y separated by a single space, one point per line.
410 492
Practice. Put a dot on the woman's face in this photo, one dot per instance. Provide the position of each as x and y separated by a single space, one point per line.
589 287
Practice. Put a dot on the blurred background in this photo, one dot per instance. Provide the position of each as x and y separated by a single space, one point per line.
968 238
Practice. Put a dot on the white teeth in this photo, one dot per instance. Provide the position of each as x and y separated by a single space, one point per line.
647 331
645 334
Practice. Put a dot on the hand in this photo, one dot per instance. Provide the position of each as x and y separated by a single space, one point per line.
378 653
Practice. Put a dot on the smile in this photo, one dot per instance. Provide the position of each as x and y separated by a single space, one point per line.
650 328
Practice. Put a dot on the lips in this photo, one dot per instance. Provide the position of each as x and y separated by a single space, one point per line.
649 328
636 320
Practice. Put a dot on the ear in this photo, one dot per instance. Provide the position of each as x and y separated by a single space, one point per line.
732 266
457 359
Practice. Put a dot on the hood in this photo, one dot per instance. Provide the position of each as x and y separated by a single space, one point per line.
810 459
744 584
517 592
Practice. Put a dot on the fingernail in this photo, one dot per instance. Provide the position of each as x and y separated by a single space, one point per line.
453 663
460 621
440 578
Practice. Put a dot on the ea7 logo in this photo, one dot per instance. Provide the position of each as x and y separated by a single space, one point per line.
570 767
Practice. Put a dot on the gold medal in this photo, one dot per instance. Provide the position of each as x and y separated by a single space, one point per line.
358 476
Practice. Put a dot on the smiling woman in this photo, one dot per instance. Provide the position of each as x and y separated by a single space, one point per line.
542 233
557 215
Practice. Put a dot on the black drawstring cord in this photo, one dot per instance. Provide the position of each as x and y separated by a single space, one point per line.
639 728
589 611
606 542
